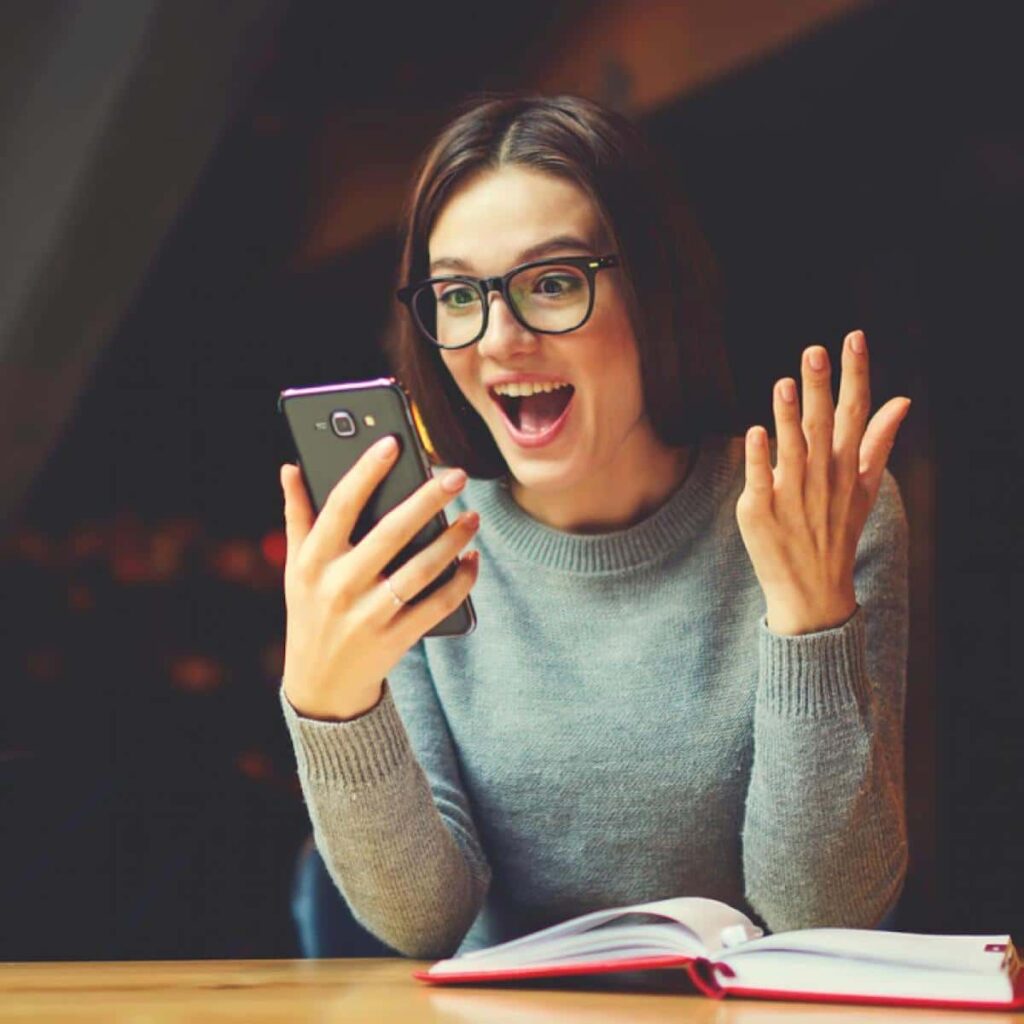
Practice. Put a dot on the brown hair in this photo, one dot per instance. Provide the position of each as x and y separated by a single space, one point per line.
670 275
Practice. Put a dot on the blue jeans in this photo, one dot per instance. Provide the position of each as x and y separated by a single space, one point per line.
325 925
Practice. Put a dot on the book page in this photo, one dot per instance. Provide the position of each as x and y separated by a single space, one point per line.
840 961
616 942
697 926
970 953
812 973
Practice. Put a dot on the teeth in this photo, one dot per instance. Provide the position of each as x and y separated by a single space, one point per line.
522 389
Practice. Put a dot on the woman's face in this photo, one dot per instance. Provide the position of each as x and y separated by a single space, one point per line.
497 220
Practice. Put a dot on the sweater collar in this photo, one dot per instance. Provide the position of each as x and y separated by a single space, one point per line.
683 515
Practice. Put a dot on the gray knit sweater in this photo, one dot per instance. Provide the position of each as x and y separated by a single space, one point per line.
622 726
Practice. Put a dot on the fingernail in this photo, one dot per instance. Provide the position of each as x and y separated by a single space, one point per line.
385 447
787 389
473 557
453 480
471 519
857 342
816 358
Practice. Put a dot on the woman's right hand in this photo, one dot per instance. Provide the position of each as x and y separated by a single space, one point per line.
344 629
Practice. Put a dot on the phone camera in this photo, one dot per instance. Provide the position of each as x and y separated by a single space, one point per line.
343 424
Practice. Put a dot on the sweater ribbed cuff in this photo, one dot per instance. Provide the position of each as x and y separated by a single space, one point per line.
354 754
814 674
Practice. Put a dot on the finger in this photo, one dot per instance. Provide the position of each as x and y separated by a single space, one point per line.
369 557
818 416
333 528
851 412
791 445
415 620
757 490
298 512
424 567
879 438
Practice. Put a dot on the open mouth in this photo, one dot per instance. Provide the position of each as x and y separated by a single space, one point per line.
535 414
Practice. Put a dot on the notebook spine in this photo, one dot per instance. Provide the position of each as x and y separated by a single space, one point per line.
704 974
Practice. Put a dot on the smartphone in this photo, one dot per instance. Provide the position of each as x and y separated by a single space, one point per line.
331 427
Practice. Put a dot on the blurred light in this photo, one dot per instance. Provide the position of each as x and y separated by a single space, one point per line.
166 553
235 560
81 598
44 665
274 546
254 764
196 673
185 530
86 541
130 567
129 564
33 546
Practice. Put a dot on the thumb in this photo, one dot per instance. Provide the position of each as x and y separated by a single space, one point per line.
878 440
298 513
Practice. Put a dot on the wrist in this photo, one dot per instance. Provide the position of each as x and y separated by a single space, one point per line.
340 709
796 619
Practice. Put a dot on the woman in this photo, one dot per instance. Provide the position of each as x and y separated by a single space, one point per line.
688 673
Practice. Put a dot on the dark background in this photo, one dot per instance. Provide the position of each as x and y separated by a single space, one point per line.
869 174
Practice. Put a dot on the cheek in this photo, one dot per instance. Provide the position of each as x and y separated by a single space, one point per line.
613 331
615 365
621 386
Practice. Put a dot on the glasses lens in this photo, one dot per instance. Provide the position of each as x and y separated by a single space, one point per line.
552 297
450 312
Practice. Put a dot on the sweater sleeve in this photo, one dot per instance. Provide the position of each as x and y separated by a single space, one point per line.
402 850
824 835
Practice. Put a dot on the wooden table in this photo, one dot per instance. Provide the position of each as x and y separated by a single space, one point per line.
201 991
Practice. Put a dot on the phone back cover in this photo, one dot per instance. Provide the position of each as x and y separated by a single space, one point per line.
326 458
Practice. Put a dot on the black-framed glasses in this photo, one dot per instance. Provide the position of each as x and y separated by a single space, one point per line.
552 296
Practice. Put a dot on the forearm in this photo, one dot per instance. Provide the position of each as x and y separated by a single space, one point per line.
824 836
384 841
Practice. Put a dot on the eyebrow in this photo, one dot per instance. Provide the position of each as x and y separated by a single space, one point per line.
534 252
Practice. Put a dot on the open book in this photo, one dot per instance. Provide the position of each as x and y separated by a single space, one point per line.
725 953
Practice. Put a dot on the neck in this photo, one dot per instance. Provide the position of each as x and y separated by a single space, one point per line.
624 492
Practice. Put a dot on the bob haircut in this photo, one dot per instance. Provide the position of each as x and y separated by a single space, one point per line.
669 274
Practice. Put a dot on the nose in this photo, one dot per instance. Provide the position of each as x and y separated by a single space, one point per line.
505 335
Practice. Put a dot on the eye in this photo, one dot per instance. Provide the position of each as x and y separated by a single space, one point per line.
458 298
559 284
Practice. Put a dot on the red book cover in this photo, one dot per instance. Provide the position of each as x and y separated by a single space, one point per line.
725 954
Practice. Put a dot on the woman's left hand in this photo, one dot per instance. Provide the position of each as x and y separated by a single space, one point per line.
801 520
